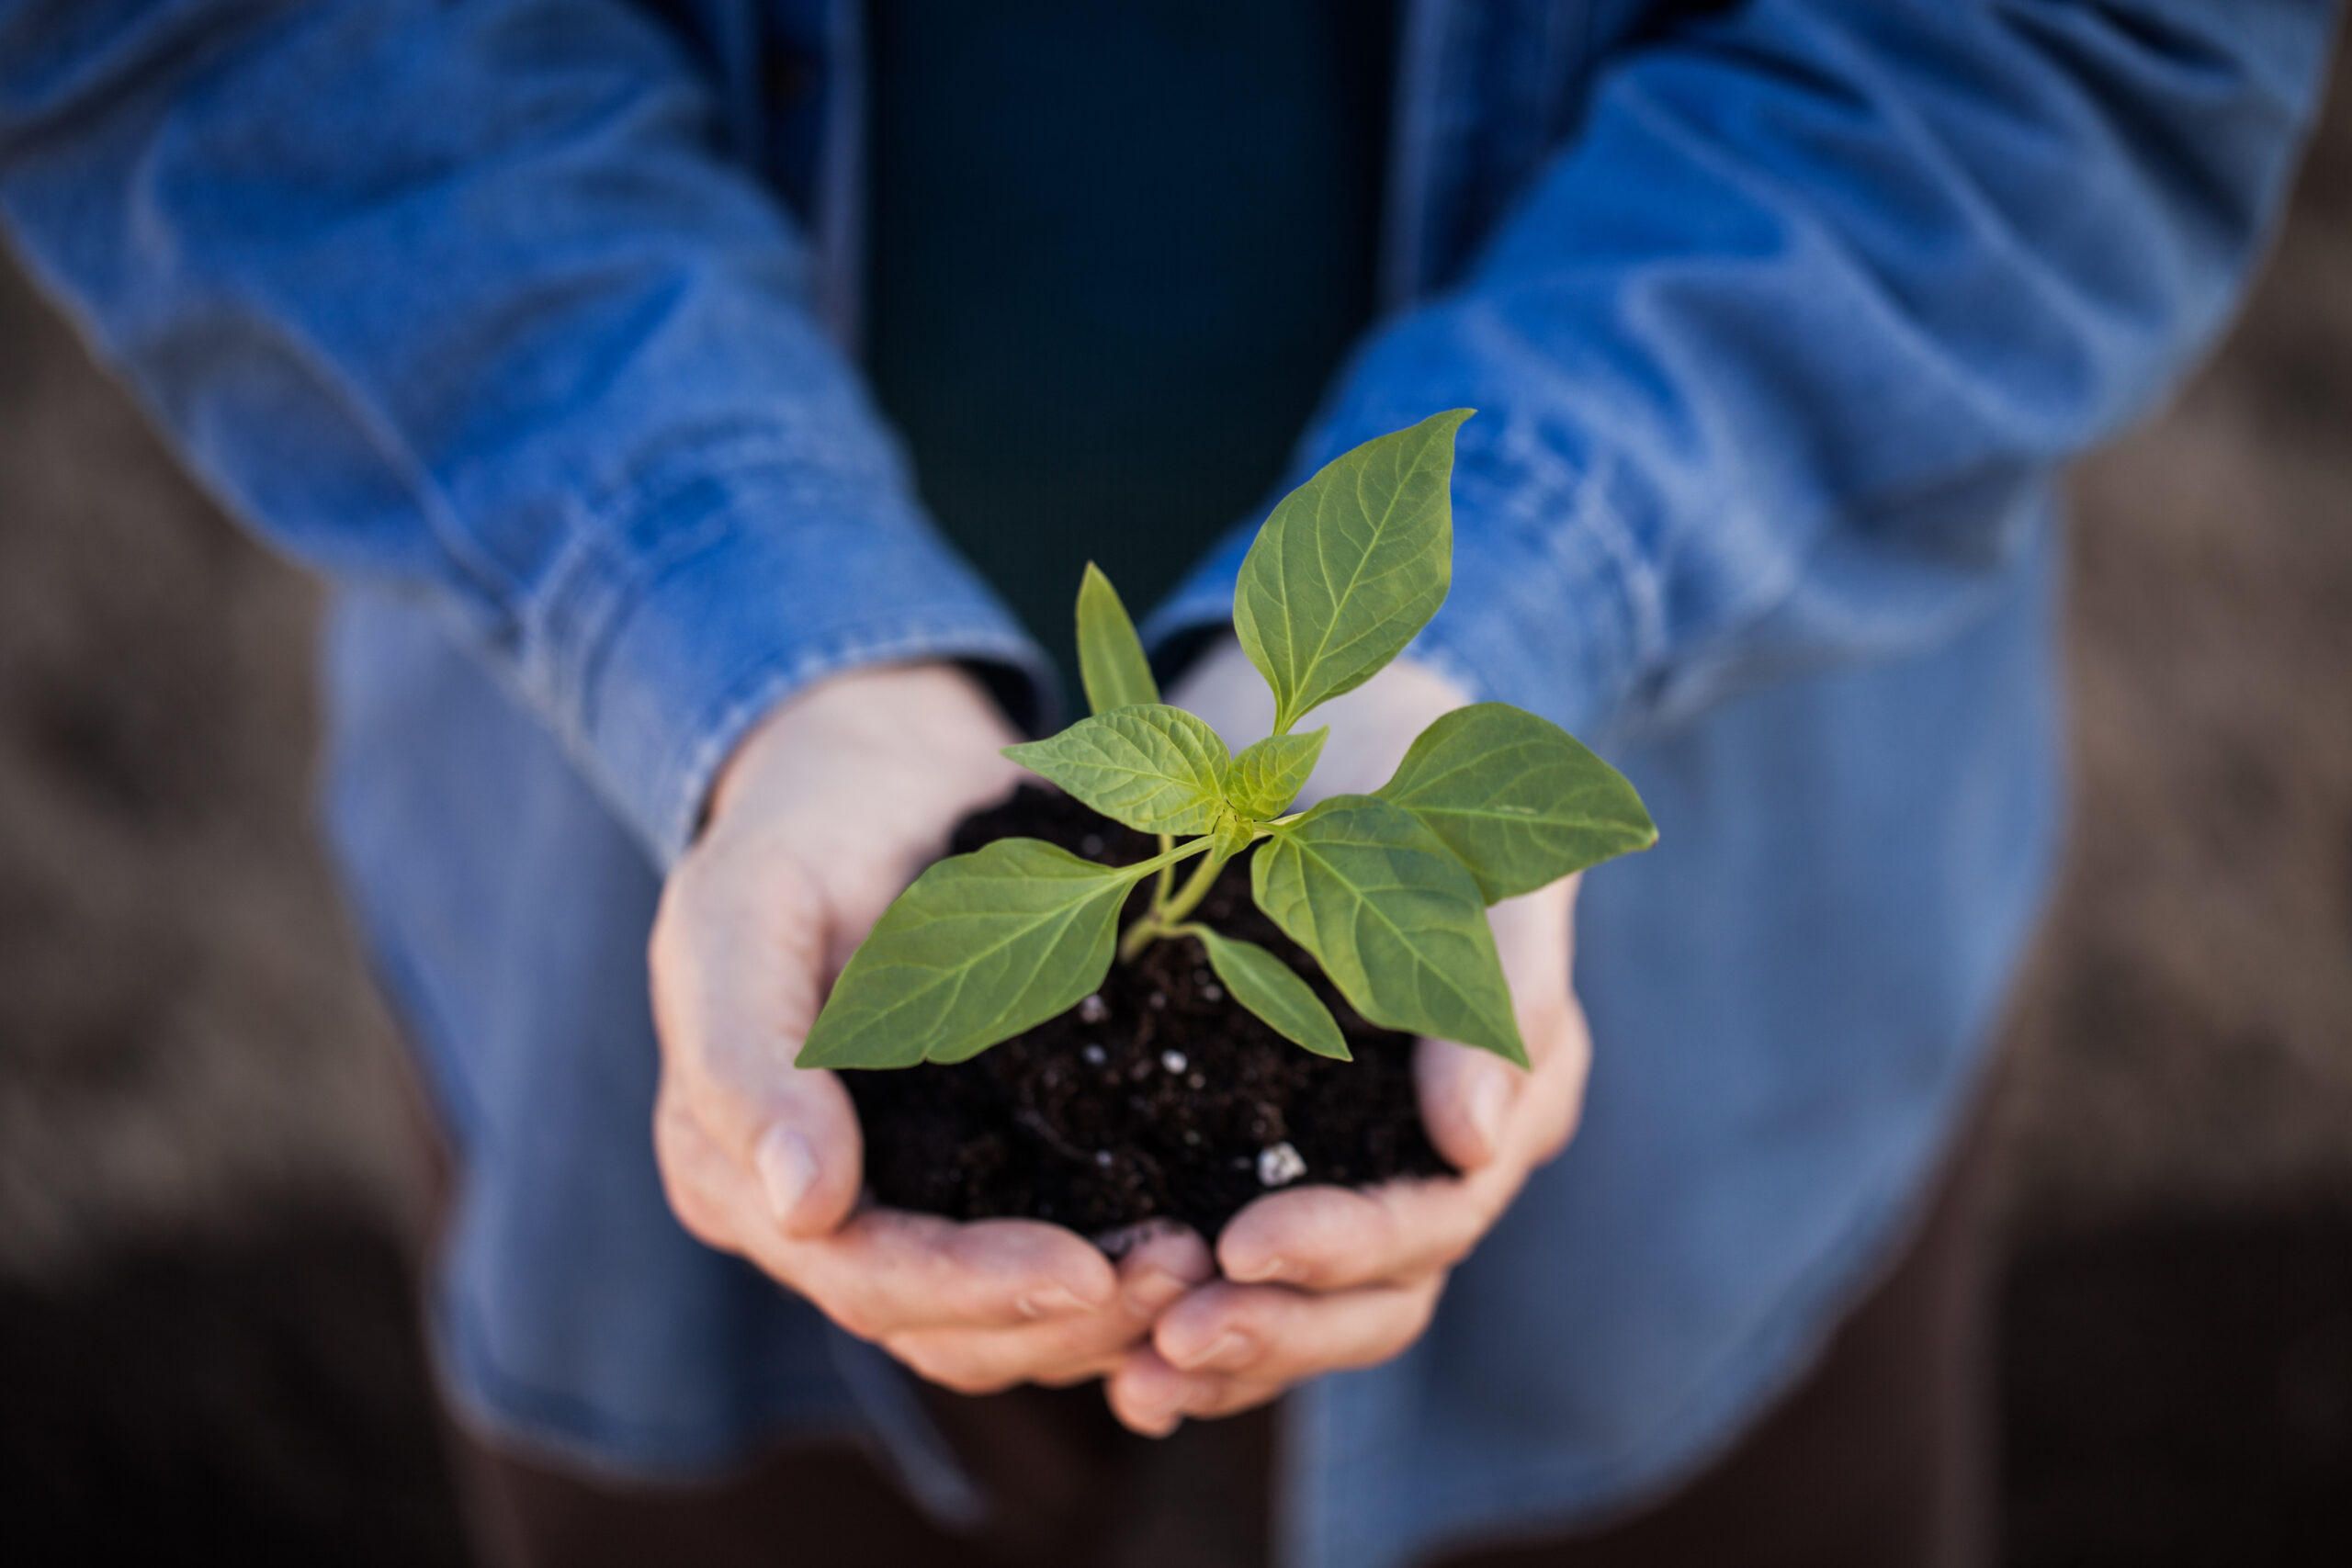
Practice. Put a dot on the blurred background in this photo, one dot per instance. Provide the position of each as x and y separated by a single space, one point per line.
207 1186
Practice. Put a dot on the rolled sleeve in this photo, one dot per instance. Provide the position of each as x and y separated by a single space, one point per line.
683 646
1777 354
473 306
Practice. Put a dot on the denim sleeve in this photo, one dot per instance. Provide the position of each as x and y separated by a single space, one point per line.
467 302
1778 352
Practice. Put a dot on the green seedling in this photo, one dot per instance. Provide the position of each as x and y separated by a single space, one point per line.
1387 890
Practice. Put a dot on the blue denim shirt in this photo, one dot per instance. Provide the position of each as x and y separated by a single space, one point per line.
525 321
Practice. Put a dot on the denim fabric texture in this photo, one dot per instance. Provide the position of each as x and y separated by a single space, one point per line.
531 324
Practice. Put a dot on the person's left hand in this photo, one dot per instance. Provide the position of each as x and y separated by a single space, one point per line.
1318 1279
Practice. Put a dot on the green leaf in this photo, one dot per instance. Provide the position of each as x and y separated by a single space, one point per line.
1518 799
1157 769
1266 777
1393 918
1233 835
1110 656
981 947
1273 990
1351 564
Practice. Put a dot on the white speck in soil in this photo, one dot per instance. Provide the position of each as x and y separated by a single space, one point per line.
1091 845
1212 993
1196 1081
1095 1056
1158 1000
1279 1165
1192 1136
1172 1060
1094 1009
1103 1157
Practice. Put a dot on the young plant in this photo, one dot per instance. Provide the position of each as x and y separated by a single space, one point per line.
1389 890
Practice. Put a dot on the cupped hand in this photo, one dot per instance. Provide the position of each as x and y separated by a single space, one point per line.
822 816
1318 1279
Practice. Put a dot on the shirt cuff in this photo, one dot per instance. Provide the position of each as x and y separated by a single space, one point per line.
728 595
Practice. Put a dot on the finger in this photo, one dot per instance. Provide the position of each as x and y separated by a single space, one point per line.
1330 1238
706 1187
1232 1396
965 1360
735 983
1466 1098
1163 1261
1270 1334
887 1273
1163 1266
792 1149
1152 1398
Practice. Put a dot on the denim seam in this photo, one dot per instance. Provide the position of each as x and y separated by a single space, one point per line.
607 570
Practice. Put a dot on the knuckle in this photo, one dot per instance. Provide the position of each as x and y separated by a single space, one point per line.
979 1382
948 1367
855 1316
1450 1252
1072 1376
702 1216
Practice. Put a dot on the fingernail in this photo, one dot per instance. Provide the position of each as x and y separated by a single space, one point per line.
1276 1267
787 1168
1152 1292
1159 1423
1226 1352
1161 1416
1052 1301
1488 1106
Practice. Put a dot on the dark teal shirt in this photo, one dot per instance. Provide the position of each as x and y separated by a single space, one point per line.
1118 249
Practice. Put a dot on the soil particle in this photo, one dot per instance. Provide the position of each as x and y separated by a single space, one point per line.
1155 1098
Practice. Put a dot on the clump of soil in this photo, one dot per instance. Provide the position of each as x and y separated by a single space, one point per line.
1157 1097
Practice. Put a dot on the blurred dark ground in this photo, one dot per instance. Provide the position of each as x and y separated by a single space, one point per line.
206 1338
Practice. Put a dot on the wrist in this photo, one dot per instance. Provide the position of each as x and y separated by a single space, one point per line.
914 712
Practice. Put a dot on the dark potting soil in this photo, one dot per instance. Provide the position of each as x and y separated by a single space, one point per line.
1158 1098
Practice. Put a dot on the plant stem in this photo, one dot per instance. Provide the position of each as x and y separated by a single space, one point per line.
1154 922
1147 925
1167 876
1162 919
1169 857
1196 887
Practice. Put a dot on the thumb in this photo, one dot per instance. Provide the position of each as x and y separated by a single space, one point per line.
734 982
805 1151
1467 1099
781 1152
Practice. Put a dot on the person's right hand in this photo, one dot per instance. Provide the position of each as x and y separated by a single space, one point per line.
823 815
